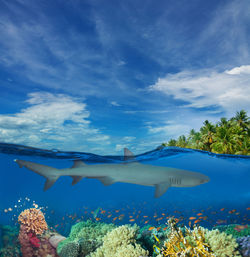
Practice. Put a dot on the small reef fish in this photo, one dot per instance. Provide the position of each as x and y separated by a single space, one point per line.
222 209
192 218
151 228
232 211
221 222
239 228
95 213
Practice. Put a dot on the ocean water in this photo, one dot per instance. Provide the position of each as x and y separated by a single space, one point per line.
225 199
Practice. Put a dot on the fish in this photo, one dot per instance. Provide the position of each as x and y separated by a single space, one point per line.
151 228
192 218
132 172
239 228
95 213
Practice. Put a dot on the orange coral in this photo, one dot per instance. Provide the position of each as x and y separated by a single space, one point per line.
33 220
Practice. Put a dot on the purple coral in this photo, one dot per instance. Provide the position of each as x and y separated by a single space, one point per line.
244 245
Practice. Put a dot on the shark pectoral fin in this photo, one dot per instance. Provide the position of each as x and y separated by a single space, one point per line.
160 189
78 164
76 179
50 181
106 181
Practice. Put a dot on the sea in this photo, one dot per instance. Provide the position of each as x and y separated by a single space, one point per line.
224 200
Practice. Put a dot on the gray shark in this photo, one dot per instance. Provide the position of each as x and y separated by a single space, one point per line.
129 172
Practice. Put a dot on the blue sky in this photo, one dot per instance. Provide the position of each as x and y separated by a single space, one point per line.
98 76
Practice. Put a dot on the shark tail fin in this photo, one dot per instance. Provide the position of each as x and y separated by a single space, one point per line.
50 173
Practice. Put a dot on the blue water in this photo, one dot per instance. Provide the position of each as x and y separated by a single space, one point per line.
224 200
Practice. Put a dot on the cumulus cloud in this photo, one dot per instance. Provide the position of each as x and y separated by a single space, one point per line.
52 121
228 91
244 69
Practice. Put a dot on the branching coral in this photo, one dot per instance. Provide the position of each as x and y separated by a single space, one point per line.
120 242
34 234
223 245
33 221
190 243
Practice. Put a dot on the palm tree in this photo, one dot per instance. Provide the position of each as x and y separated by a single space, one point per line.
242 120
225 139
207 134
194 139
182 141
172 142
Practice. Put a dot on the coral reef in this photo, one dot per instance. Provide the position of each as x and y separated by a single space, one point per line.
244 245
191 243
85 236
34 234
235 230
9 243
121 242
33 221
222 245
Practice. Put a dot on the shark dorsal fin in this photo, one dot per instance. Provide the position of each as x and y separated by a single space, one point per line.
106 181
128 155
76 179
78 164
160 189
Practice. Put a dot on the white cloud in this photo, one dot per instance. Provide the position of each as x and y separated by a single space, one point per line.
52 121
170 130
114 103
244 69
229 90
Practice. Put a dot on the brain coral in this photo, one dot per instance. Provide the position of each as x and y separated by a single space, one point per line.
120 242
33 221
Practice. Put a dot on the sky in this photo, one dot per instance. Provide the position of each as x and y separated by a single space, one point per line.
97 76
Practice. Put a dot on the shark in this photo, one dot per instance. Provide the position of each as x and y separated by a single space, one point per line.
130 171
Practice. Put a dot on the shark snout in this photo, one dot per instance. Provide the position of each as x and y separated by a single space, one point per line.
204 180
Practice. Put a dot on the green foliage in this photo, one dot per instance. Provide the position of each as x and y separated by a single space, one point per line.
225 137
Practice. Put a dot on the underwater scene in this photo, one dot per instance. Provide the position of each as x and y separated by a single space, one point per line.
202 210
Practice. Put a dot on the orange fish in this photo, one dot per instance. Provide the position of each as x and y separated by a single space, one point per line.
196 221
199 214
103 212
232 211
222 209
158 228
192 218
145 216
56 225
146 222
248 208
130 216
131 220
189 223
165 228
151 228
114 218
98 219
109 215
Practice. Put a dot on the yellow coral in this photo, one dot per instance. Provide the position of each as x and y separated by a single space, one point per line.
120 242
192 244
33 221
